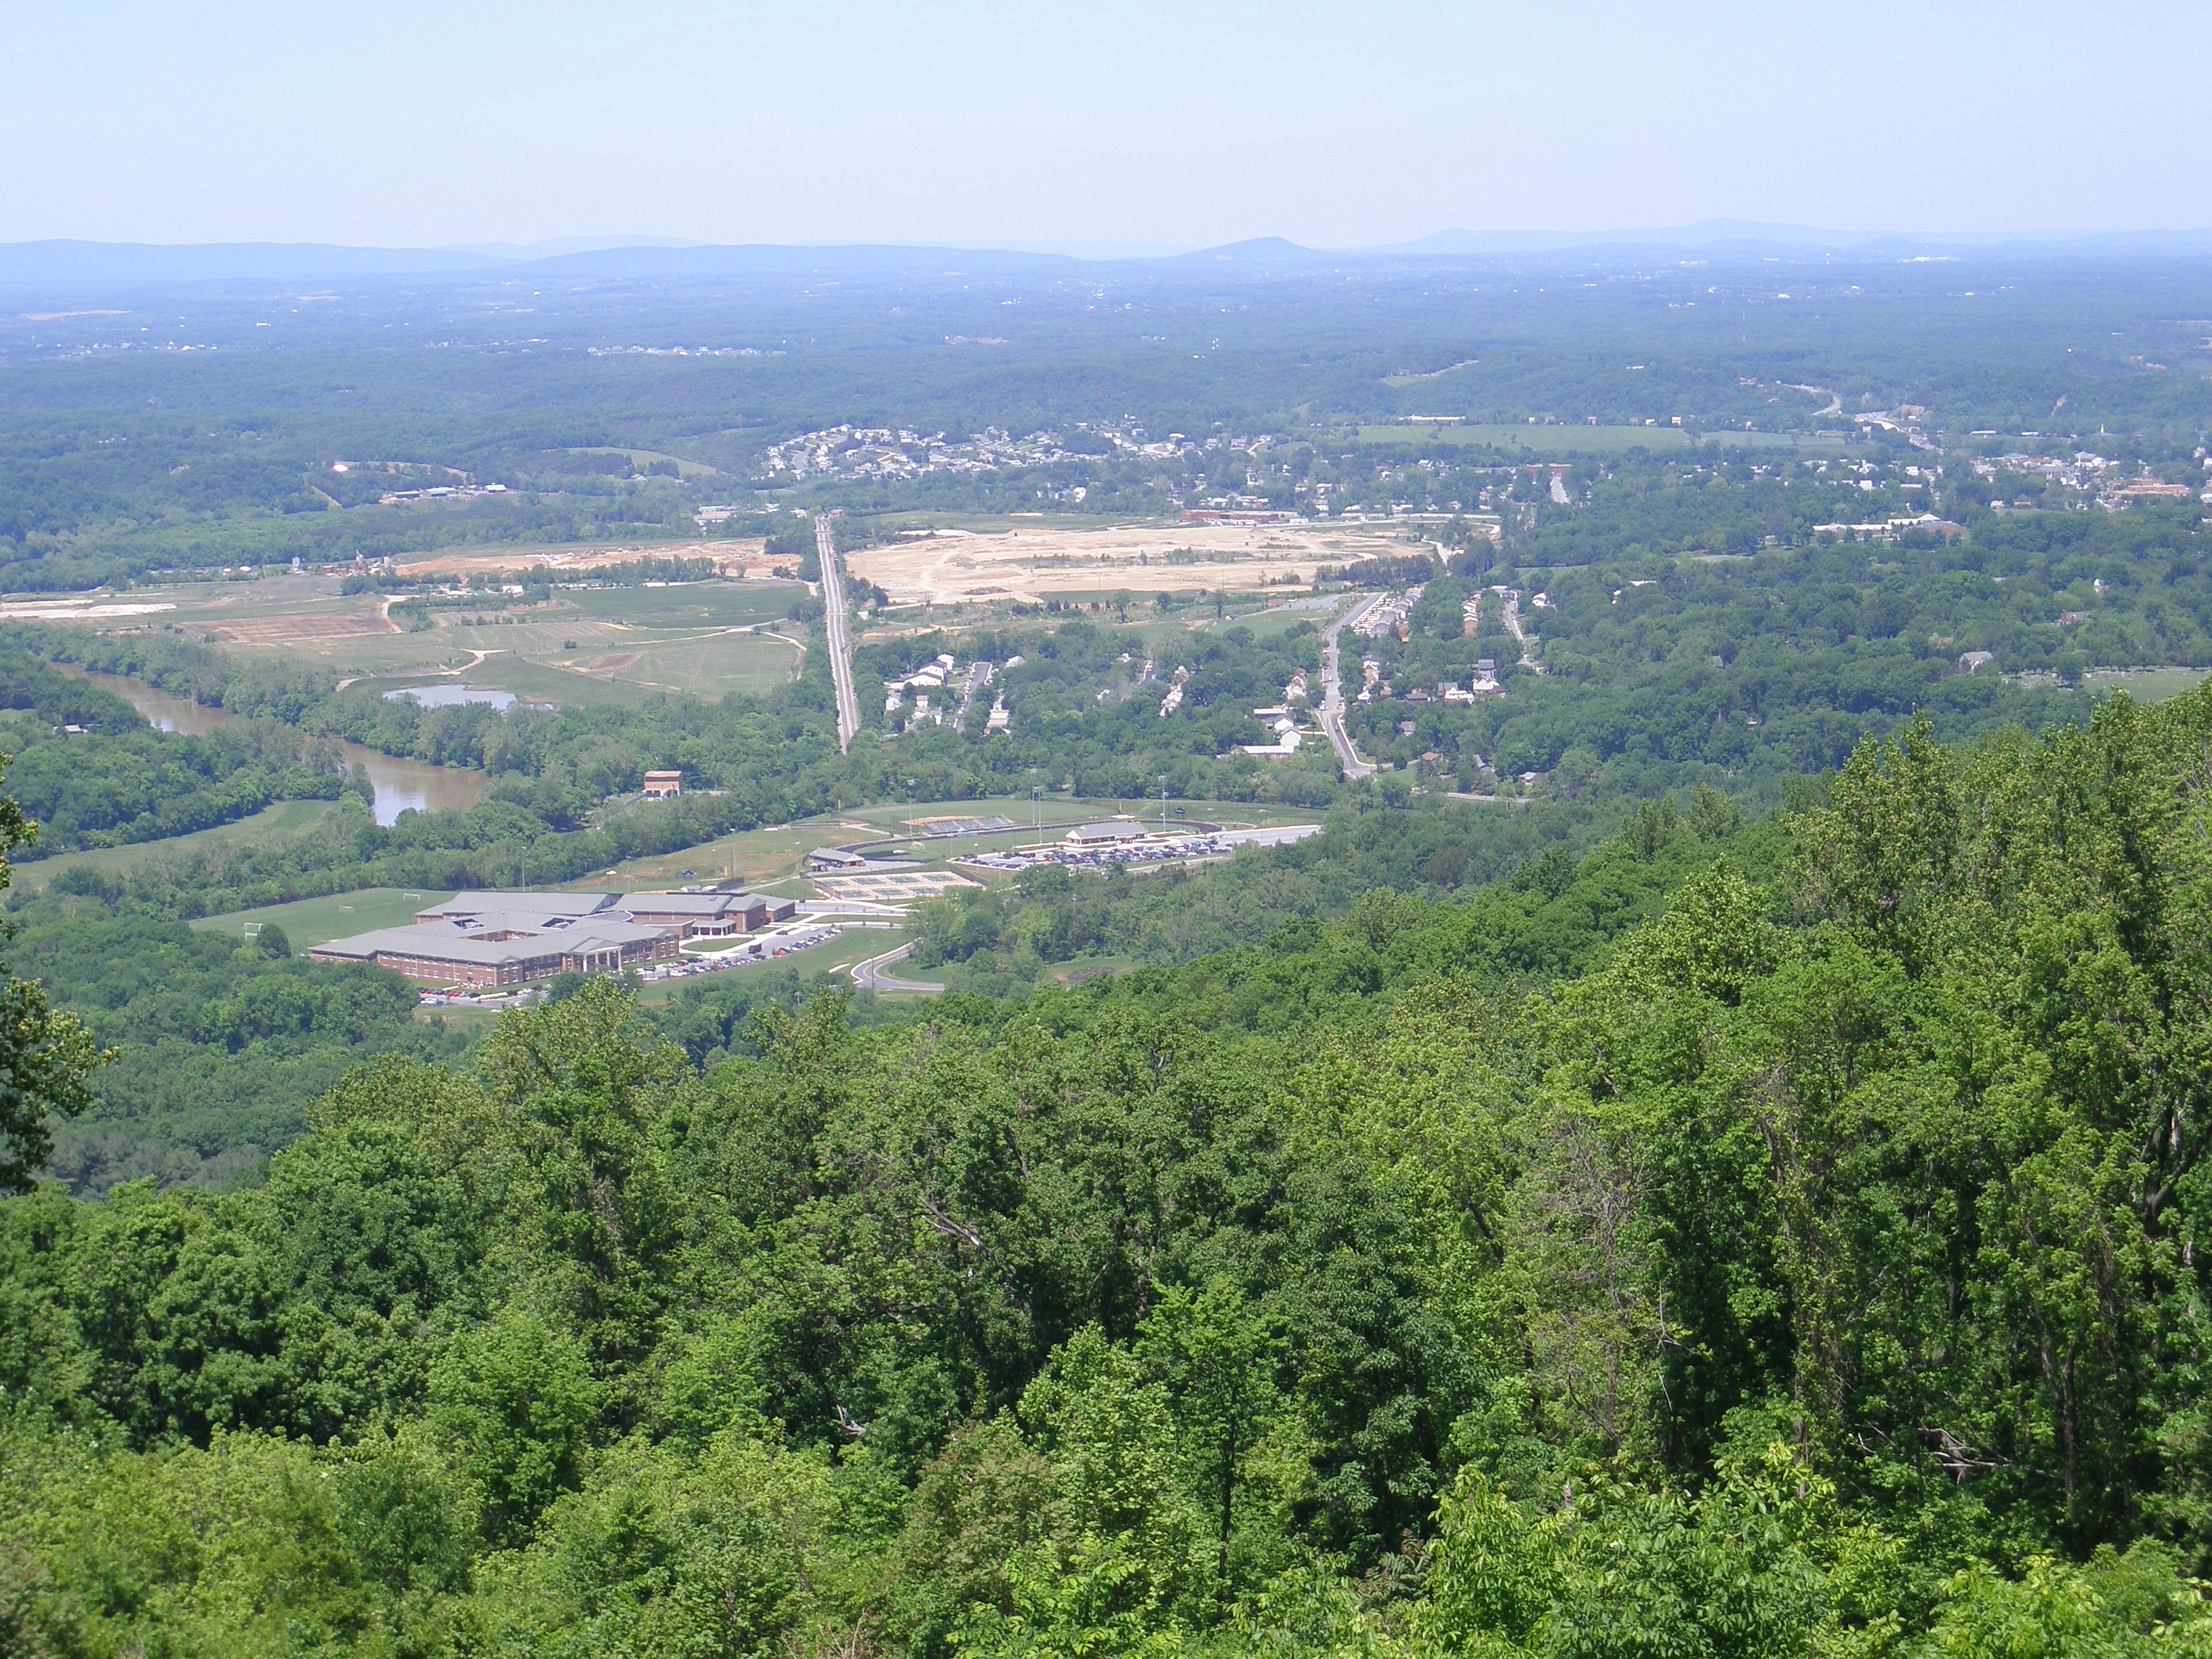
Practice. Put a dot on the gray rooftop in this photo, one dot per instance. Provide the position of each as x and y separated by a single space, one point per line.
444 942
686 904
519 904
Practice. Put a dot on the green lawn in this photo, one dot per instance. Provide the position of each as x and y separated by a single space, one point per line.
711 667
550 683
2146 684
308 922
721 604
1590 440
639 458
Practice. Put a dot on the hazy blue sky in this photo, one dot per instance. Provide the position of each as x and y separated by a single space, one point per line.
400 122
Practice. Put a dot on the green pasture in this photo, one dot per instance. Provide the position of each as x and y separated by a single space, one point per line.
638 457
2146 684
309 922
723 604
711 666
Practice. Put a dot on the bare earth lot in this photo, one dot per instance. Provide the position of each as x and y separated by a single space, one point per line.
1023 564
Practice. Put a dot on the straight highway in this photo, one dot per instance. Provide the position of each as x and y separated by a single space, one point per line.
1331 689
841 643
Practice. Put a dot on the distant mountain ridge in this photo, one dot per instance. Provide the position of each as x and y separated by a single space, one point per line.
78 262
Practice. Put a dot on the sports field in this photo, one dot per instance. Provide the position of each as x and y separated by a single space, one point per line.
309 922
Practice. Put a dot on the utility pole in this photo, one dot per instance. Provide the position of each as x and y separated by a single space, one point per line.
1163 803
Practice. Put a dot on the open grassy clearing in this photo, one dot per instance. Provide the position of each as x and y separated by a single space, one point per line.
685 604
639 458
1591 440
309 922
618 646
710 666
2146 684
286 817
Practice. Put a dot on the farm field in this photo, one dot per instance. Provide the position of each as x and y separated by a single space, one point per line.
1591 440
308 922
620 646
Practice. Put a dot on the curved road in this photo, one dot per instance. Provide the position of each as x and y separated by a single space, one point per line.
869 975
1331 689
841 644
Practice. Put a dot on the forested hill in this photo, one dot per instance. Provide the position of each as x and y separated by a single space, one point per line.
1811 1267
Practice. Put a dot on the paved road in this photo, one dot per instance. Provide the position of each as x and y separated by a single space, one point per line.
869 975
1331 689
1513 626
841 644
979 676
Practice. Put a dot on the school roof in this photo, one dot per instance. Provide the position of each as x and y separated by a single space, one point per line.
518 905
442 941
688 904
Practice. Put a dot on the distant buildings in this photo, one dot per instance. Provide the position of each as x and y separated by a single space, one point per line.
1103 835
1389 616
663 785
1284 725
496 939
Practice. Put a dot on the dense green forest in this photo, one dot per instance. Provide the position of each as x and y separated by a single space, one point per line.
1804 1264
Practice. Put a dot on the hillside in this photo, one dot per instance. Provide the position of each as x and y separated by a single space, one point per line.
1802 1262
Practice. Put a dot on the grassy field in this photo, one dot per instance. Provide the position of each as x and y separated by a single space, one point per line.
611 645
1590 440
617 645
2146 684
639 458
285 818
308 922
687 605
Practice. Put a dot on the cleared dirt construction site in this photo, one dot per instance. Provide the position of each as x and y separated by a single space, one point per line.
946 567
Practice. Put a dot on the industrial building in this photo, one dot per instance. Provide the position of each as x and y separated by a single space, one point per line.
1099 835
708 916
494 953
493 939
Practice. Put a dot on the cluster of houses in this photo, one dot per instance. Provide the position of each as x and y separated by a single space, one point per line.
1389 617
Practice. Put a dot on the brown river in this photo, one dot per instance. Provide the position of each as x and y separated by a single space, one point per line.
401 786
